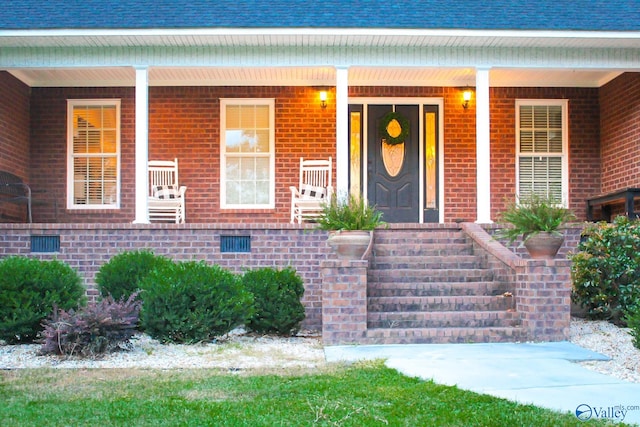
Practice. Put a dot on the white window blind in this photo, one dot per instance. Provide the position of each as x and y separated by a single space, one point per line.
93 153
542 146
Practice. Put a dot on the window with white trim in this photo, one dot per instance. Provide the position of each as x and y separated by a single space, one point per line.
247 139
93 153
542 143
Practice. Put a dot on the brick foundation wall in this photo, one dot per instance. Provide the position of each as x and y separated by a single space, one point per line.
335 298
14 136
620 132
85 247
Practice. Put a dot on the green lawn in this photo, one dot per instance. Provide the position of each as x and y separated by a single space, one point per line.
359 395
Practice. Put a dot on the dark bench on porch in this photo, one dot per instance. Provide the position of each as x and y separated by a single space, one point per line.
605 201
14 190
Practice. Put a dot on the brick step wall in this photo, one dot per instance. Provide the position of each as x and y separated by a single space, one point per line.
440 303
442 335
418 289
416 275
428 262
442 319
418 238
448 249
428 286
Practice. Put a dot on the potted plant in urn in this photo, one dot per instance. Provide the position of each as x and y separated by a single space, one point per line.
350 222
538 221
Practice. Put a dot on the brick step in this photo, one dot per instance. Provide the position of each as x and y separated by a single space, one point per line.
427 286
412 233
443 319
395 249
425 289
426 262
439 303
430 275
419 238
442 335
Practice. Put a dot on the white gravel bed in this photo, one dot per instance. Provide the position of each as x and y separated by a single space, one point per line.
235 353
610 340
241 351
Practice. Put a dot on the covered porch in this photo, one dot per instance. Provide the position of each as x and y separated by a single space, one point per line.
174 102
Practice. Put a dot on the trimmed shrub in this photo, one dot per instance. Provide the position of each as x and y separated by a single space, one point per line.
277 295
606 269
29 291
191 301
93 330
120 277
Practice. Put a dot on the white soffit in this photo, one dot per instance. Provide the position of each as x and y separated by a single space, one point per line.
303 37
310 76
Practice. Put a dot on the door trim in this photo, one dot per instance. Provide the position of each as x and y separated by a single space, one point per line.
420 101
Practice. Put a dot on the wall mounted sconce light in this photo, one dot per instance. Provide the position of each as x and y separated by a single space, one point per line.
466 97
323 98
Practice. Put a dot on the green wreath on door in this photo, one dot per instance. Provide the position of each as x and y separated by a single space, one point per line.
394 128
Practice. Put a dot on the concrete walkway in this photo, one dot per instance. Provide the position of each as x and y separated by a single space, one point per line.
543 374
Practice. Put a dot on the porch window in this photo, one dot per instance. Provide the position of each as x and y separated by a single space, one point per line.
247 172
542 149
93 147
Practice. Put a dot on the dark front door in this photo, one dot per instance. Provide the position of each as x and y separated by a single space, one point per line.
393 170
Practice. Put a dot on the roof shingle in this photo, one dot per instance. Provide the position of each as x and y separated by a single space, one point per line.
589 15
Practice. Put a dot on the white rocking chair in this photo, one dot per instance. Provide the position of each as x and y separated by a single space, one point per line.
166 197
313 191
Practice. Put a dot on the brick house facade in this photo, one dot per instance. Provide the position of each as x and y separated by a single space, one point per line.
183 123
171 70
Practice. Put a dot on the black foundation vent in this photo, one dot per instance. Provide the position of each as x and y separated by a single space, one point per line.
235 244
45 243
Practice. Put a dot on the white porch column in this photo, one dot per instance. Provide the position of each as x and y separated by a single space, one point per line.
142 145
342 130
483 147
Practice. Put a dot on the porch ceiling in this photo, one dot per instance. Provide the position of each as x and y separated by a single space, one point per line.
328 44
311 76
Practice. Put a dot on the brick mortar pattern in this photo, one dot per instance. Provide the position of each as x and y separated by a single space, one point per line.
619 133
543 299
85 247
14 138
344 301
542 287
335 297
184 123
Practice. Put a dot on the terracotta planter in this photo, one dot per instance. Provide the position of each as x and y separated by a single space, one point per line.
349 244
544 245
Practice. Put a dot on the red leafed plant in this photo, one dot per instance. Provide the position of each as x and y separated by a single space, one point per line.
92 330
